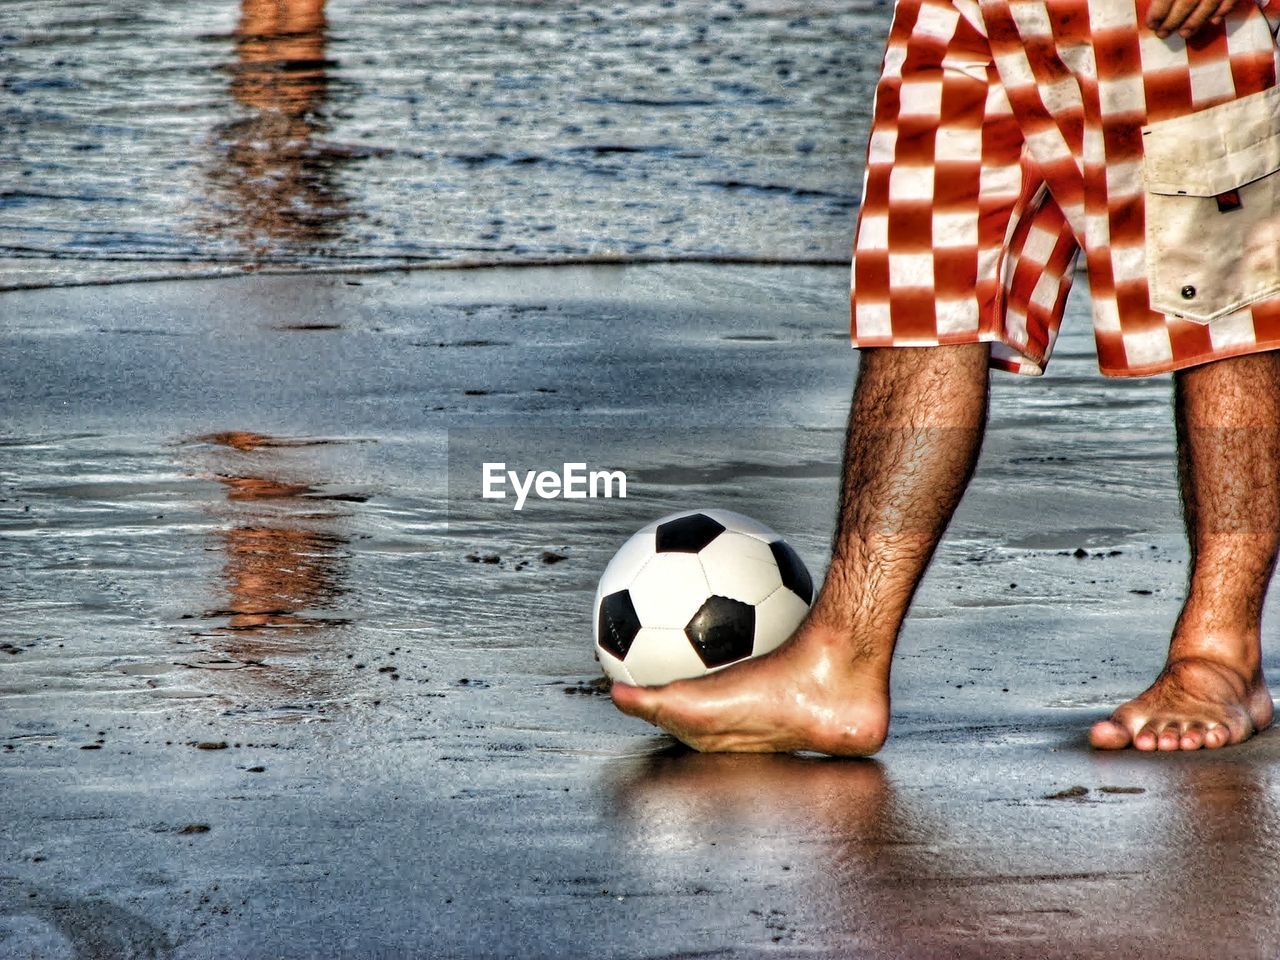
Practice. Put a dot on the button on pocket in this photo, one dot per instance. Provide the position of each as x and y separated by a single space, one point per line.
1213 208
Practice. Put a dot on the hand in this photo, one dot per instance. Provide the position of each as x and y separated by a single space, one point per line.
1185 16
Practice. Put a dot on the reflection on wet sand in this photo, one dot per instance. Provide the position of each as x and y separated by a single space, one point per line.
1222 830
272 185
835 826
876 868
679 789
285 560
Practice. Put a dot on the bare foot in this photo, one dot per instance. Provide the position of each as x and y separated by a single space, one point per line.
1194 703
809 694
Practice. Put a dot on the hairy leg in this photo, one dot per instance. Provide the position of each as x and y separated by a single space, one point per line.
914 432
1211 691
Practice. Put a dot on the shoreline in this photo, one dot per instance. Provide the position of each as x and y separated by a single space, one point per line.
569 261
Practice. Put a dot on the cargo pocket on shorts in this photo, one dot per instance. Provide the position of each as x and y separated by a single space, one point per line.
1213 208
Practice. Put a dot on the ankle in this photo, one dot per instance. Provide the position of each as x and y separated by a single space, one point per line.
1240 653
843 639
1218 628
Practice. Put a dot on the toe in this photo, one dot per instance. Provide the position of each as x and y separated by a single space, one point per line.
1239 727
1192 737
1109 735
1216 736
1168 738
1145 739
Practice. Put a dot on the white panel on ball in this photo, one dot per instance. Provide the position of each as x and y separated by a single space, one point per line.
626 563
613 668
740 567
669 590
736 521
660 656
776 618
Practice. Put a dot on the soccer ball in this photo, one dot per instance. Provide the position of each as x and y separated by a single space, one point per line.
695 592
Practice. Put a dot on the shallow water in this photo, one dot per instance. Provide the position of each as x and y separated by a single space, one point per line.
147 139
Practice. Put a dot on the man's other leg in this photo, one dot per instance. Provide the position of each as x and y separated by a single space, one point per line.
914 432
1212 691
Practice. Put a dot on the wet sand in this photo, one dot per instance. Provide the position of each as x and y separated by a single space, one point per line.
276 682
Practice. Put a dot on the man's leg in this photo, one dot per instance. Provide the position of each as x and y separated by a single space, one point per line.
1211 691
914 432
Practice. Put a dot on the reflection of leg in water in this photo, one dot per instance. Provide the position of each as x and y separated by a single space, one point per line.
280 63
274 575
914 432
273 187
285 562
1212 691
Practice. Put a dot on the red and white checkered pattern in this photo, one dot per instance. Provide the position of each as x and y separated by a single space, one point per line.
1006 137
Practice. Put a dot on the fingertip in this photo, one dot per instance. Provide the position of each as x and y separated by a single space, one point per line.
627 697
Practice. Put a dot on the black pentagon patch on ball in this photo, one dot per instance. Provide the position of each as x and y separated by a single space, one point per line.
794 575
687 534
722 631
619 623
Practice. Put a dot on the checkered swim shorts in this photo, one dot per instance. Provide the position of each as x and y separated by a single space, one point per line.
1010 134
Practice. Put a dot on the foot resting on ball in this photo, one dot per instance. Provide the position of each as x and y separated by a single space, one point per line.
809 694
